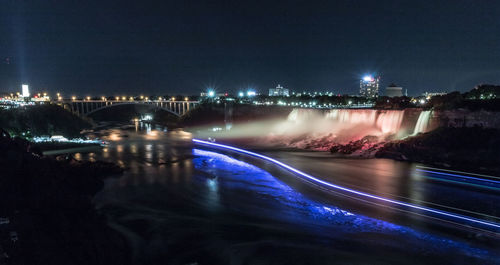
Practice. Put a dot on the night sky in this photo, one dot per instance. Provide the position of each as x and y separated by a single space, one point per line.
166 47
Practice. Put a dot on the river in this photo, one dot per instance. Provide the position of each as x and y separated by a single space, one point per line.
180 203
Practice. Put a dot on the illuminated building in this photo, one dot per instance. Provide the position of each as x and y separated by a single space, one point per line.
368 86
279 91
25 91
394 91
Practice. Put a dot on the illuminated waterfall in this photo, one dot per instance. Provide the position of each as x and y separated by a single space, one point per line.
319 129
422 122
386 121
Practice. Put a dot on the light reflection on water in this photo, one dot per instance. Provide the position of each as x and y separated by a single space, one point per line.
278 201
180 205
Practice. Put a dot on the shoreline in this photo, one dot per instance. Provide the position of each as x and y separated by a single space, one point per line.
48 204
83 149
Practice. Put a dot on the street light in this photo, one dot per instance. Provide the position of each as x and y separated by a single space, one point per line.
173 98
186 98
73 98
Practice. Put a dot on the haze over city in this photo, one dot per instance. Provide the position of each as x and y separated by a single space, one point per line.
129 47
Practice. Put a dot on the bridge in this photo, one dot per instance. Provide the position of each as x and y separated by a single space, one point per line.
86 107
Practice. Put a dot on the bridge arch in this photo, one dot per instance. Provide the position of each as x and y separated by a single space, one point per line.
87 107
132 103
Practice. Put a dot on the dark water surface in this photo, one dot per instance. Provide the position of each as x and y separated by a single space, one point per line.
180 203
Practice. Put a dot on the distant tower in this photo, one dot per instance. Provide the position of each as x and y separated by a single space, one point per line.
368 86
25 91
394 91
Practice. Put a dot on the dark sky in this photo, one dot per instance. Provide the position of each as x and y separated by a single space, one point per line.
164 47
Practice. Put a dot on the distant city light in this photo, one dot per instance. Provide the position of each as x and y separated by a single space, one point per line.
211 93
367 78
251 93
241 94
25 90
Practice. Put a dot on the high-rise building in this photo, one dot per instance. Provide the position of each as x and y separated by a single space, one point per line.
368 86
279 91
25 91
394 91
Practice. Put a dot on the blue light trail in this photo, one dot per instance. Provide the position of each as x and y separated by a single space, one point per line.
359 193
459 176
461 172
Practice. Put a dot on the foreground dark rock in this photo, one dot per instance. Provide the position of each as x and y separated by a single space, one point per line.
47 210
475 149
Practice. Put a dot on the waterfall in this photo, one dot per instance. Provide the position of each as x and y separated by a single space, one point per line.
390 121
320 129
313 128
422 122
384 121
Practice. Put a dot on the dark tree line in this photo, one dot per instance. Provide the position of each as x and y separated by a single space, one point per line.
42 120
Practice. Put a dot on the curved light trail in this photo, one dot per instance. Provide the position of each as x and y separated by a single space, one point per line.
461 172
461 179
352 191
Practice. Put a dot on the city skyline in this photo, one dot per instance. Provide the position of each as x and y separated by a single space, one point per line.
178 47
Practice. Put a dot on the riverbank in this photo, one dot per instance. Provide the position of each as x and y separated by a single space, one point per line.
57 148
47 212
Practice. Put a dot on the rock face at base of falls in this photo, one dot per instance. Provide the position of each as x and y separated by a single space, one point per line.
46 210
365 147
